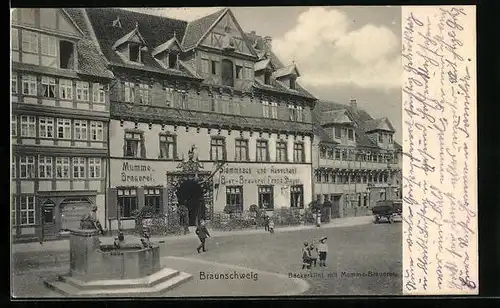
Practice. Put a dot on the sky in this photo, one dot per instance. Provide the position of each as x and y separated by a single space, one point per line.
342 52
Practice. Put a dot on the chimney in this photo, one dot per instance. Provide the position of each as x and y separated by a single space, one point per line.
268 44
354 104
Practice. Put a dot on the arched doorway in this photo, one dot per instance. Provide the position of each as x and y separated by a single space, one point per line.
190 194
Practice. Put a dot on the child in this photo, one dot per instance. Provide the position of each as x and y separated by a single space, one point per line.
323 250
314 254
271 225
306 257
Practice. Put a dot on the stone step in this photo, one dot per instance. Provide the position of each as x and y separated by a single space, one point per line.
145 282
67 289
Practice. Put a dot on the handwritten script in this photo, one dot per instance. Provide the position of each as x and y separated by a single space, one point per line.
439 150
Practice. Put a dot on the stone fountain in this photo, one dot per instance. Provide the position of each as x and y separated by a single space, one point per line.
128 267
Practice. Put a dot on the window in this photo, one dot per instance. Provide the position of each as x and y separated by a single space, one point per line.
248 73
135 53
326 177
205 66
98 93
64 128
318 177
241 148
129 92
172 61
46 127
217 149
274 110
29 41
281 151
295 112
144 94
14 125
15 38
65 89
262 151
267 77
49 45
45 167
133 141
292 83
338 156
27 210
322 153
338 133
152 198
169 94
234 197
82 91
167 146
26 167
48 87
29 84
80 130
13 82
227 73
265 109
350 134
214 67
28 126
127 201
390 138
94 167
66 55
78 167
299 114
14 167
298 152
62 167
239 72
380 137
13 210
266 199
96 131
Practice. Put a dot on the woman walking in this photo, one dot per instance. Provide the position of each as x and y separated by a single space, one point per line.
323 250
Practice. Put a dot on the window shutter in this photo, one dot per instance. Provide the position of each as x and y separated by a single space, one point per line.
111 200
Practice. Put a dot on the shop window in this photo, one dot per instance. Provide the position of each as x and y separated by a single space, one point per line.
297 196
127 201
234 197
152 198
266 198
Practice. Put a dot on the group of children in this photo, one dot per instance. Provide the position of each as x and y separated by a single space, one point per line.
310 254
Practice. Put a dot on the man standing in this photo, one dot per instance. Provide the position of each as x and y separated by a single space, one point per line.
202 233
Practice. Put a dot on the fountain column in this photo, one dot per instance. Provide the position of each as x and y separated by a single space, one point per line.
83 245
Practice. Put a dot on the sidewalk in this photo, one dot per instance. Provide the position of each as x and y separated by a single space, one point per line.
63 245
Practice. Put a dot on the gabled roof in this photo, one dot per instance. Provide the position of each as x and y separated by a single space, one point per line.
262 64
286 71
167 46
320 114
378 124
336 117
72 21
128 36
154 30
196 29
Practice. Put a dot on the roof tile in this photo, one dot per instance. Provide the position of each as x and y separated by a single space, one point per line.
197 28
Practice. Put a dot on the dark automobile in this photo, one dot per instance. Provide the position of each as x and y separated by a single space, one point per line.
387 210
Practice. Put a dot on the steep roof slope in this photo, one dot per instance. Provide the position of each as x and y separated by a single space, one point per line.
197 28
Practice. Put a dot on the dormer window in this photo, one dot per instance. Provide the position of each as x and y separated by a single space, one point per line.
292 83
135 53
172 61
267 77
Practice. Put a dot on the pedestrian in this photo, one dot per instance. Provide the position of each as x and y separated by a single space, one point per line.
323 250
266 222
306 256
202 233
271 225
314 254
